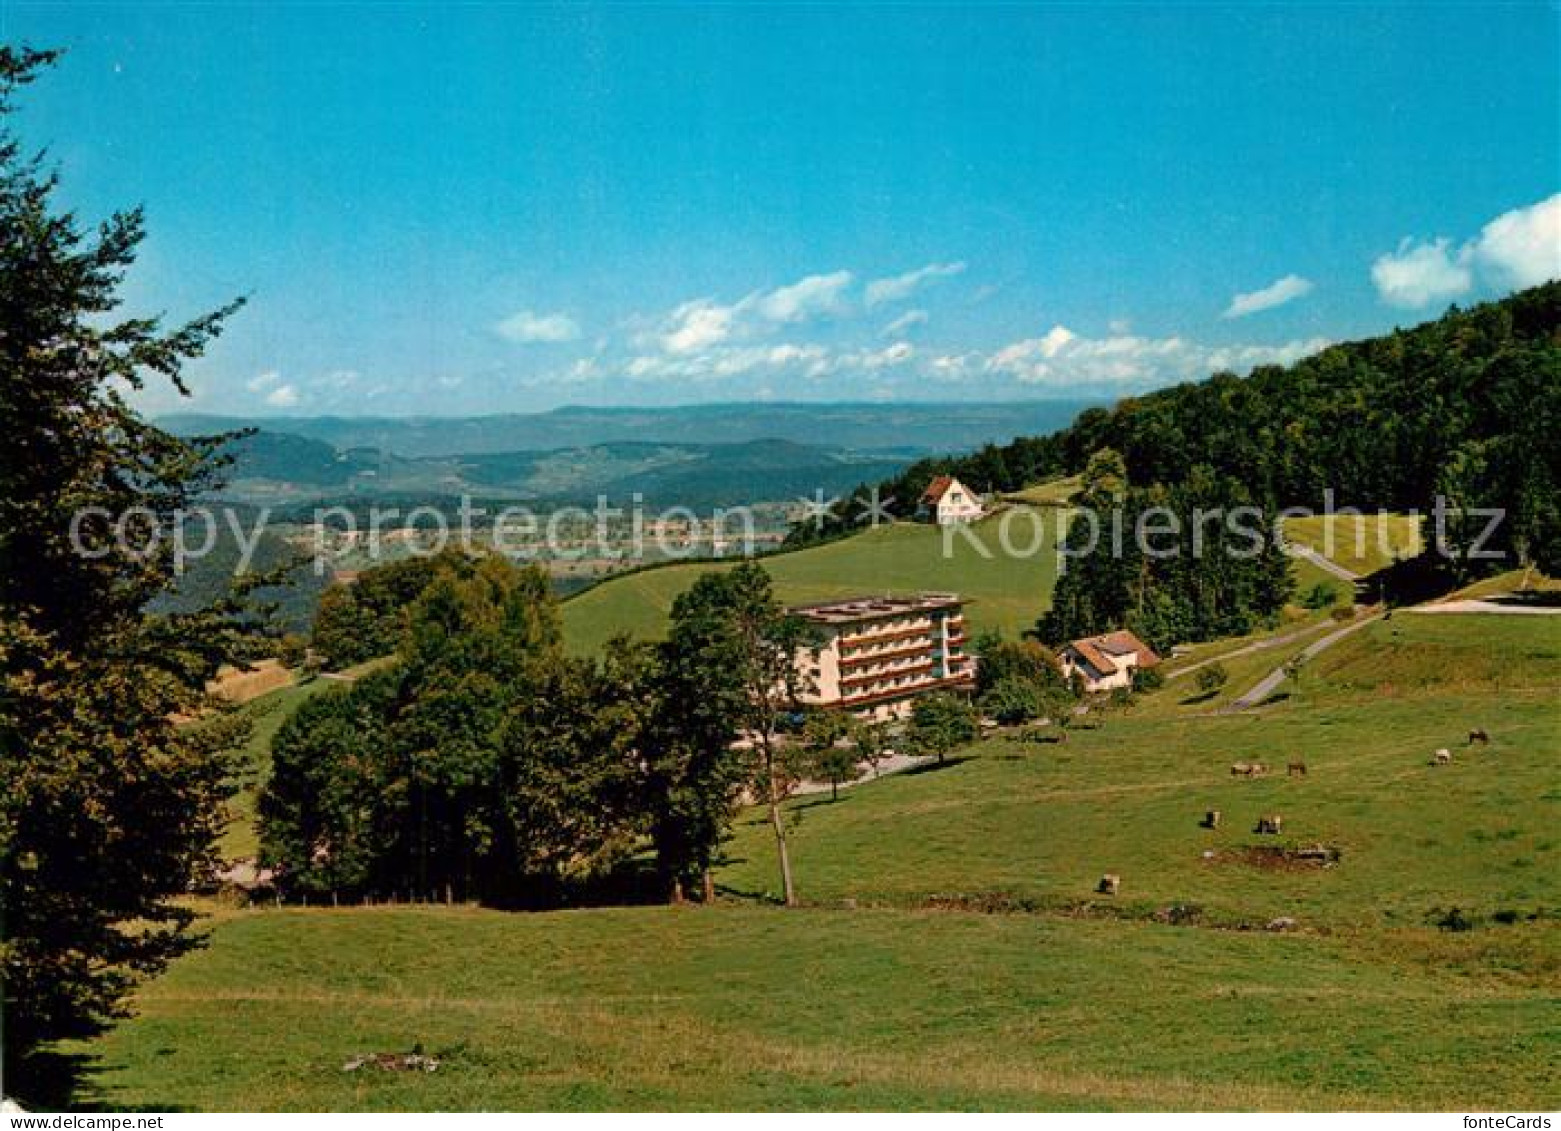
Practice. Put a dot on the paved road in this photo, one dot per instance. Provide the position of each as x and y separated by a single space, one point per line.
1494 605
1270 683
893 764
1326 564
1258 646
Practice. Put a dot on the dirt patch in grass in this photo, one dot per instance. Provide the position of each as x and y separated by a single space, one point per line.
1279 858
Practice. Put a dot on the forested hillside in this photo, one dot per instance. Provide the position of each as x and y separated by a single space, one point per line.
1467 406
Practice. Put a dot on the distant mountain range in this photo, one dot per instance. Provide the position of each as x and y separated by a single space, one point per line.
279 468
708 455
918 428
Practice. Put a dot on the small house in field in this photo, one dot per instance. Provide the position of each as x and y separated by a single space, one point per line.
947 500
1104 663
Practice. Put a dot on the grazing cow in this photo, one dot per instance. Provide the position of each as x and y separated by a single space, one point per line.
1241 769
1259 769
1211 819
1109 883
1296 769
1442 757
1270 825
1479 736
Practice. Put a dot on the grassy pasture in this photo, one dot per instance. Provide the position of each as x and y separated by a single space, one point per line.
976 967
266 713
1006 592
1361 544
1052 493
1041 823
746 1007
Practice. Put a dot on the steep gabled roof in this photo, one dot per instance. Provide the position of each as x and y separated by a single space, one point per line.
937 489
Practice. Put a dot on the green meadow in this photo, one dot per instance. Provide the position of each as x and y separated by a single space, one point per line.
1007 592
1361 544
953 952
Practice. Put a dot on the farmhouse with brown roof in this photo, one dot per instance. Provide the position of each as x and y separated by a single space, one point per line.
1106 662
948 500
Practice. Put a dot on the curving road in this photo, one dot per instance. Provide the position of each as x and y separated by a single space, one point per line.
1270 683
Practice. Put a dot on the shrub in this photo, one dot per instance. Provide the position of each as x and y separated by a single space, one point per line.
1212 678
1147 679
1320 596
1012 701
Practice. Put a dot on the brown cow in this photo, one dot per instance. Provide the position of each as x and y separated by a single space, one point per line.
1109 883
1479 736
1296 769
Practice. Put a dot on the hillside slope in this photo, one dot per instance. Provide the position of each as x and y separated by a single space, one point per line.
1040 823
1005 593
976 968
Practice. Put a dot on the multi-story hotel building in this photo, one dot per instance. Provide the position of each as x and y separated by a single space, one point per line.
875 654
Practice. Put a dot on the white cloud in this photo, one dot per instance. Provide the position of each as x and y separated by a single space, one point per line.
1419 274
526 326
702 323
1521 248
871 360
262 381
1063 358
807 298
1277 293
283 396
698 325
725 362
903 323
898 287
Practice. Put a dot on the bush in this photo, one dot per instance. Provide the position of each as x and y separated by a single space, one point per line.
1320 596
1212 678
1003 660
291 652
1012 701
1147 679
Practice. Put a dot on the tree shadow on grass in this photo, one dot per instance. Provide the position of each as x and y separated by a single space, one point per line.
52 1080
814 800
933 767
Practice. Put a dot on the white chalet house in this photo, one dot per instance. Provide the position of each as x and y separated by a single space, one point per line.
946 500
1104 663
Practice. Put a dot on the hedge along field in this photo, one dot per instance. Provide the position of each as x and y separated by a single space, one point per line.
1007 593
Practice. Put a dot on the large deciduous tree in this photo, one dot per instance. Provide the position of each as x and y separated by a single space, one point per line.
728 671
107 808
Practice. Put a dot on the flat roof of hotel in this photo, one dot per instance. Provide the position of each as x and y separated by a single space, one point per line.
875 608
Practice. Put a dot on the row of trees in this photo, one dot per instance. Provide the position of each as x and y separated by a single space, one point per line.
485 762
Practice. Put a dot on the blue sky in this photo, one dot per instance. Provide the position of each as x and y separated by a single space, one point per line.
485 208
